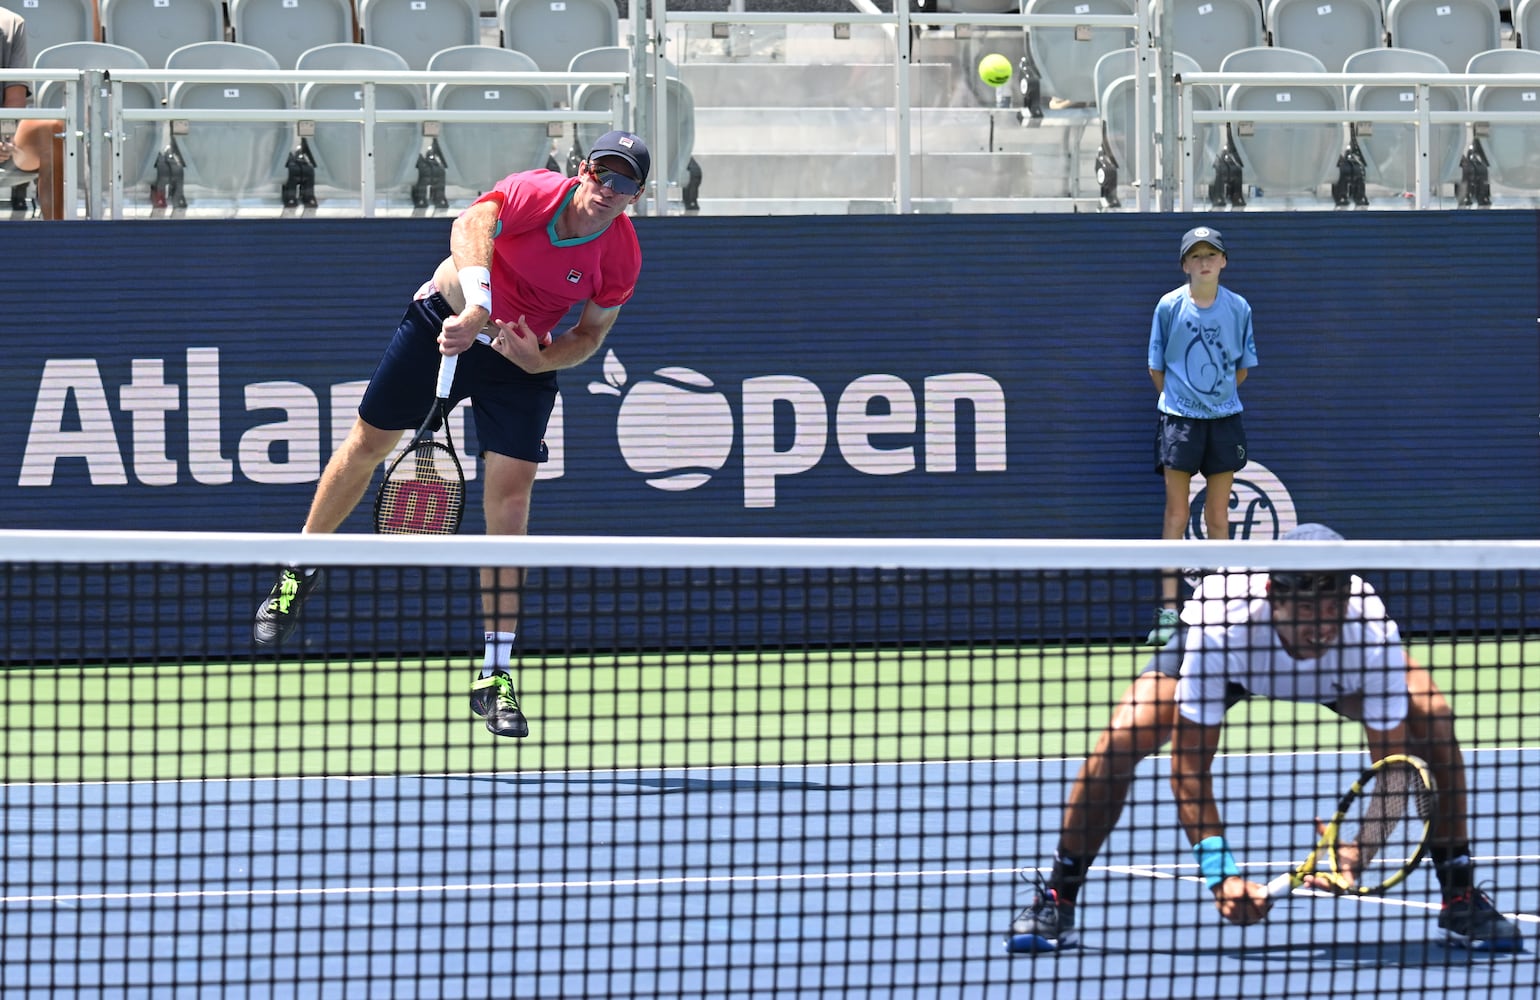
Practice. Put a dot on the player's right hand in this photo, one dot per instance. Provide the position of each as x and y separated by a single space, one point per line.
1348 865
1242 902
459 332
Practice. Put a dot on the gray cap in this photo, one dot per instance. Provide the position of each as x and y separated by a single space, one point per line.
1305 583
1201 234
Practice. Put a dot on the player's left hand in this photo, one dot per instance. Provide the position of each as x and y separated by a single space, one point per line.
1242 902
519 344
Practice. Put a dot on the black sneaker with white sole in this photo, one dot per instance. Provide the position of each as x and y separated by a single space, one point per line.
493 699
1469 920
1045 924
278 616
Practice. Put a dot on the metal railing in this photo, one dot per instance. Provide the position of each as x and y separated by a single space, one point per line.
74 134
1421 115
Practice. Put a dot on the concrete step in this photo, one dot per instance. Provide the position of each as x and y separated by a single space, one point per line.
851 85
854 175
821 130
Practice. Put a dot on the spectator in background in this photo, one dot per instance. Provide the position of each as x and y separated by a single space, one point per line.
35 149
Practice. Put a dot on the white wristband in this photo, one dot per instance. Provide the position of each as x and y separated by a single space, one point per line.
476 283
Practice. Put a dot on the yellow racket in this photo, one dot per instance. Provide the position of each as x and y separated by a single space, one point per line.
1378 834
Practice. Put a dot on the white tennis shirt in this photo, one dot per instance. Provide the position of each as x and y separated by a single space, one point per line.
1231 640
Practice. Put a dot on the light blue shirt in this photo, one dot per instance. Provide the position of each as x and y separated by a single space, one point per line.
1200 350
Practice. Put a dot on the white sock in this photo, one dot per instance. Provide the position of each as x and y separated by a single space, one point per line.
499 655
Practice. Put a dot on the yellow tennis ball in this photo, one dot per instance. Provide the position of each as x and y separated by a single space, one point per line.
995 70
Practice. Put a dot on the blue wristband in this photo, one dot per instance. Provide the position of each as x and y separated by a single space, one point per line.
1215 863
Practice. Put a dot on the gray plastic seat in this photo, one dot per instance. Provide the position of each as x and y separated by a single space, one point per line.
338 146
1453 31
416 29
1526 24
53 22
1209 30
1115 75
1329 31
679 106
478 155
287 28
1390 149
552 33
231 157
1513 149
141 140
1284 158
157 28
1064 63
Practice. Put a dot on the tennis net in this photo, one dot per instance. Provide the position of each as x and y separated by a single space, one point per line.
755 768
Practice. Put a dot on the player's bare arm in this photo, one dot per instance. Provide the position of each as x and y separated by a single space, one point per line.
516 342
470 248
1192 756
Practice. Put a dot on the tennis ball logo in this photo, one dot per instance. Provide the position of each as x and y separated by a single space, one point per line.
995 70
673 427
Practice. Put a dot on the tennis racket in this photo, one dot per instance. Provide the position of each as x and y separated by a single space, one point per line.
424 489
1383 819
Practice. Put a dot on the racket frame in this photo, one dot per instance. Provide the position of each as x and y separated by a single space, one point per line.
1327 844
423 441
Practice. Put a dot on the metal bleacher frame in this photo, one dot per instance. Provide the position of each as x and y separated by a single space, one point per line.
1167 184
1421 115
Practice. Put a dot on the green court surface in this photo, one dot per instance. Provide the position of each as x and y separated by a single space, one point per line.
236 720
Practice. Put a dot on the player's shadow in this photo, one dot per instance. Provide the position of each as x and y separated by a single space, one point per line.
1390 954
664 783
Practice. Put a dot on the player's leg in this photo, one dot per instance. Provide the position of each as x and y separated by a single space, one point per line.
505 501
342 485
1140 725
512 409
1468 918
39 149
1216 504
399 395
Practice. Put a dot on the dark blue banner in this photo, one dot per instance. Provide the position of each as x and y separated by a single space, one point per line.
925 376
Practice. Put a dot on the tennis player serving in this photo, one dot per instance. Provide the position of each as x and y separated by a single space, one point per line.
520 257
1297 636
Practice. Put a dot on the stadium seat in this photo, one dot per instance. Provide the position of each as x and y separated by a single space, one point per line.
1452 31
141 140
680 106
1065 64
1526 24
478 155
231 157
1329 31
1284 158
157 28
555 32
1512 149
338 146
1114 75
287 28
53 22
1389 149
1209 30
416 29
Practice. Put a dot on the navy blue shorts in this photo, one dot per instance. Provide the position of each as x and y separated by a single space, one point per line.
510 406
1191 445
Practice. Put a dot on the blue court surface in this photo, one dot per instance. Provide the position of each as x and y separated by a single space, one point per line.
861 880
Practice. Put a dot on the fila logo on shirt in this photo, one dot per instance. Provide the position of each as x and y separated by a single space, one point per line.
574 276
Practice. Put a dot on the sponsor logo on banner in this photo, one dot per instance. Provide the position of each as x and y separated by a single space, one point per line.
1260 505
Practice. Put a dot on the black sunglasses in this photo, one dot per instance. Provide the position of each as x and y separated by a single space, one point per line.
614 180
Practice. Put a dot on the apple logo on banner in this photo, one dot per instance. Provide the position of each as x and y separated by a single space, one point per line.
674 427
1260 505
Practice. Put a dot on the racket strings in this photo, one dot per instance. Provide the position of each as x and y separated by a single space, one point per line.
417 499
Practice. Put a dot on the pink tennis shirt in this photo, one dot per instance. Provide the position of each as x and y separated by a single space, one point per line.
536 275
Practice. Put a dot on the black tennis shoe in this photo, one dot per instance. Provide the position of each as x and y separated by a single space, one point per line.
1469 920
278 616
493 699
1045 924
